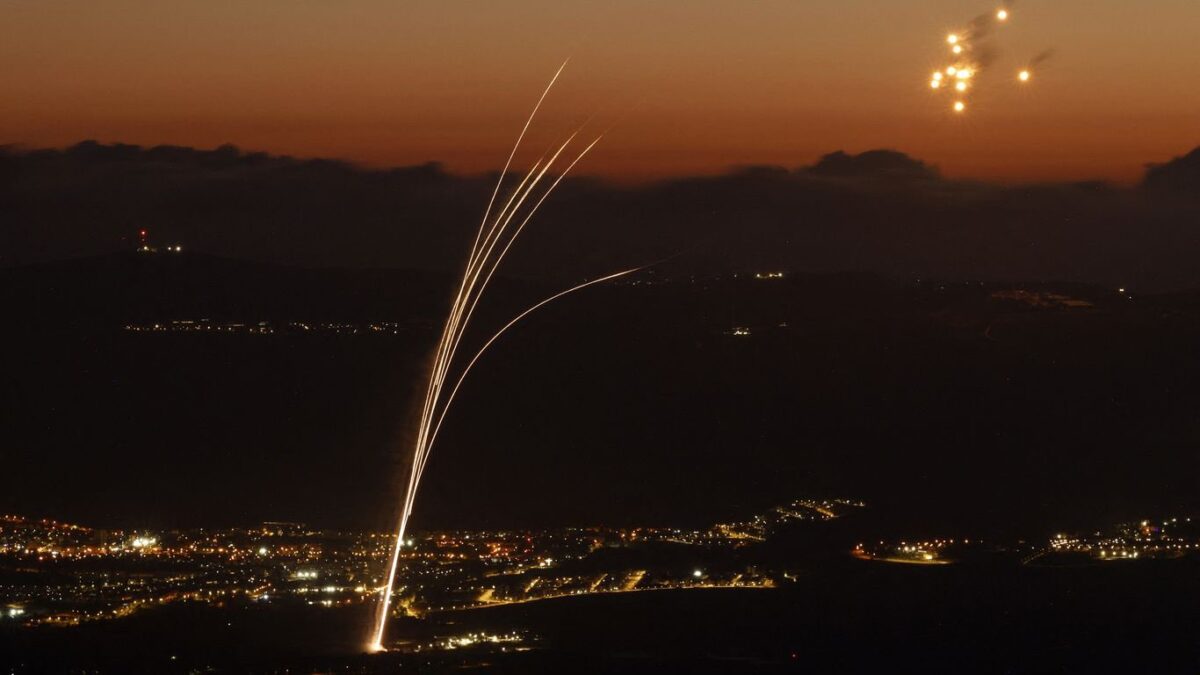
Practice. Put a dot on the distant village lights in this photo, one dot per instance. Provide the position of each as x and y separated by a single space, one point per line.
144 245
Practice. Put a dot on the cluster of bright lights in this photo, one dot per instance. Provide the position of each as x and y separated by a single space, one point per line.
496 235
471 639
958 76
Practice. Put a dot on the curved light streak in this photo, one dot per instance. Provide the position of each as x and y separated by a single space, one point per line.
486 254
454 390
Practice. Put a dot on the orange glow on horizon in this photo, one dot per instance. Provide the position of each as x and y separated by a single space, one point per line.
692 88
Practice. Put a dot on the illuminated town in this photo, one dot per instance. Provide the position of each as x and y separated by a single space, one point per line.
62 574
72 574
1167 539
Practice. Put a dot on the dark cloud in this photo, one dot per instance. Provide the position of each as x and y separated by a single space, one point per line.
980 27
92 197
880 211
887 164
1180 175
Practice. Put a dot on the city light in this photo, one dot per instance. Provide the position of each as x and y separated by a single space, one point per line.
281 563
456 570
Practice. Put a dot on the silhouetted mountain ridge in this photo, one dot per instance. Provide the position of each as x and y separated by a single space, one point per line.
878 211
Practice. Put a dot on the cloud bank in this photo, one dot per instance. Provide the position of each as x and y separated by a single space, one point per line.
879 211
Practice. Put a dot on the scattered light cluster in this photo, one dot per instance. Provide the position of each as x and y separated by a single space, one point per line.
151 569
290 563
267 327
287 563
968 59
759 527
1170 538
924 552
514 640
1166 539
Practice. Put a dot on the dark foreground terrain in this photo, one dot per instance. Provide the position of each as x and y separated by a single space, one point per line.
854 617
160 392
956 408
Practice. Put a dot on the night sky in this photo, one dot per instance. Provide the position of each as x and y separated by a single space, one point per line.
847 291
298 150
693 87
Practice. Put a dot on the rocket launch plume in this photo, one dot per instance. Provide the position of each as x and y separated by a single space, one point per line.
493 240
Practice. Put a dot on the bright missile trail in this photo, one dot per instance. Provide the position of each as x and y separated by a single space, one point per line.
492 243
449 399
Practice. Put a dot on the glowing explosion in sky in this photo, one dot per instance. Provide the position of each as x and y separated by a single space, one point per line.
971 56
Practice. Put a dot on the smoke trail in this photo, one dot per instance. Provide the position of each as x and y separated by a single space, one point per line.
982 26
984 56
1042 58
